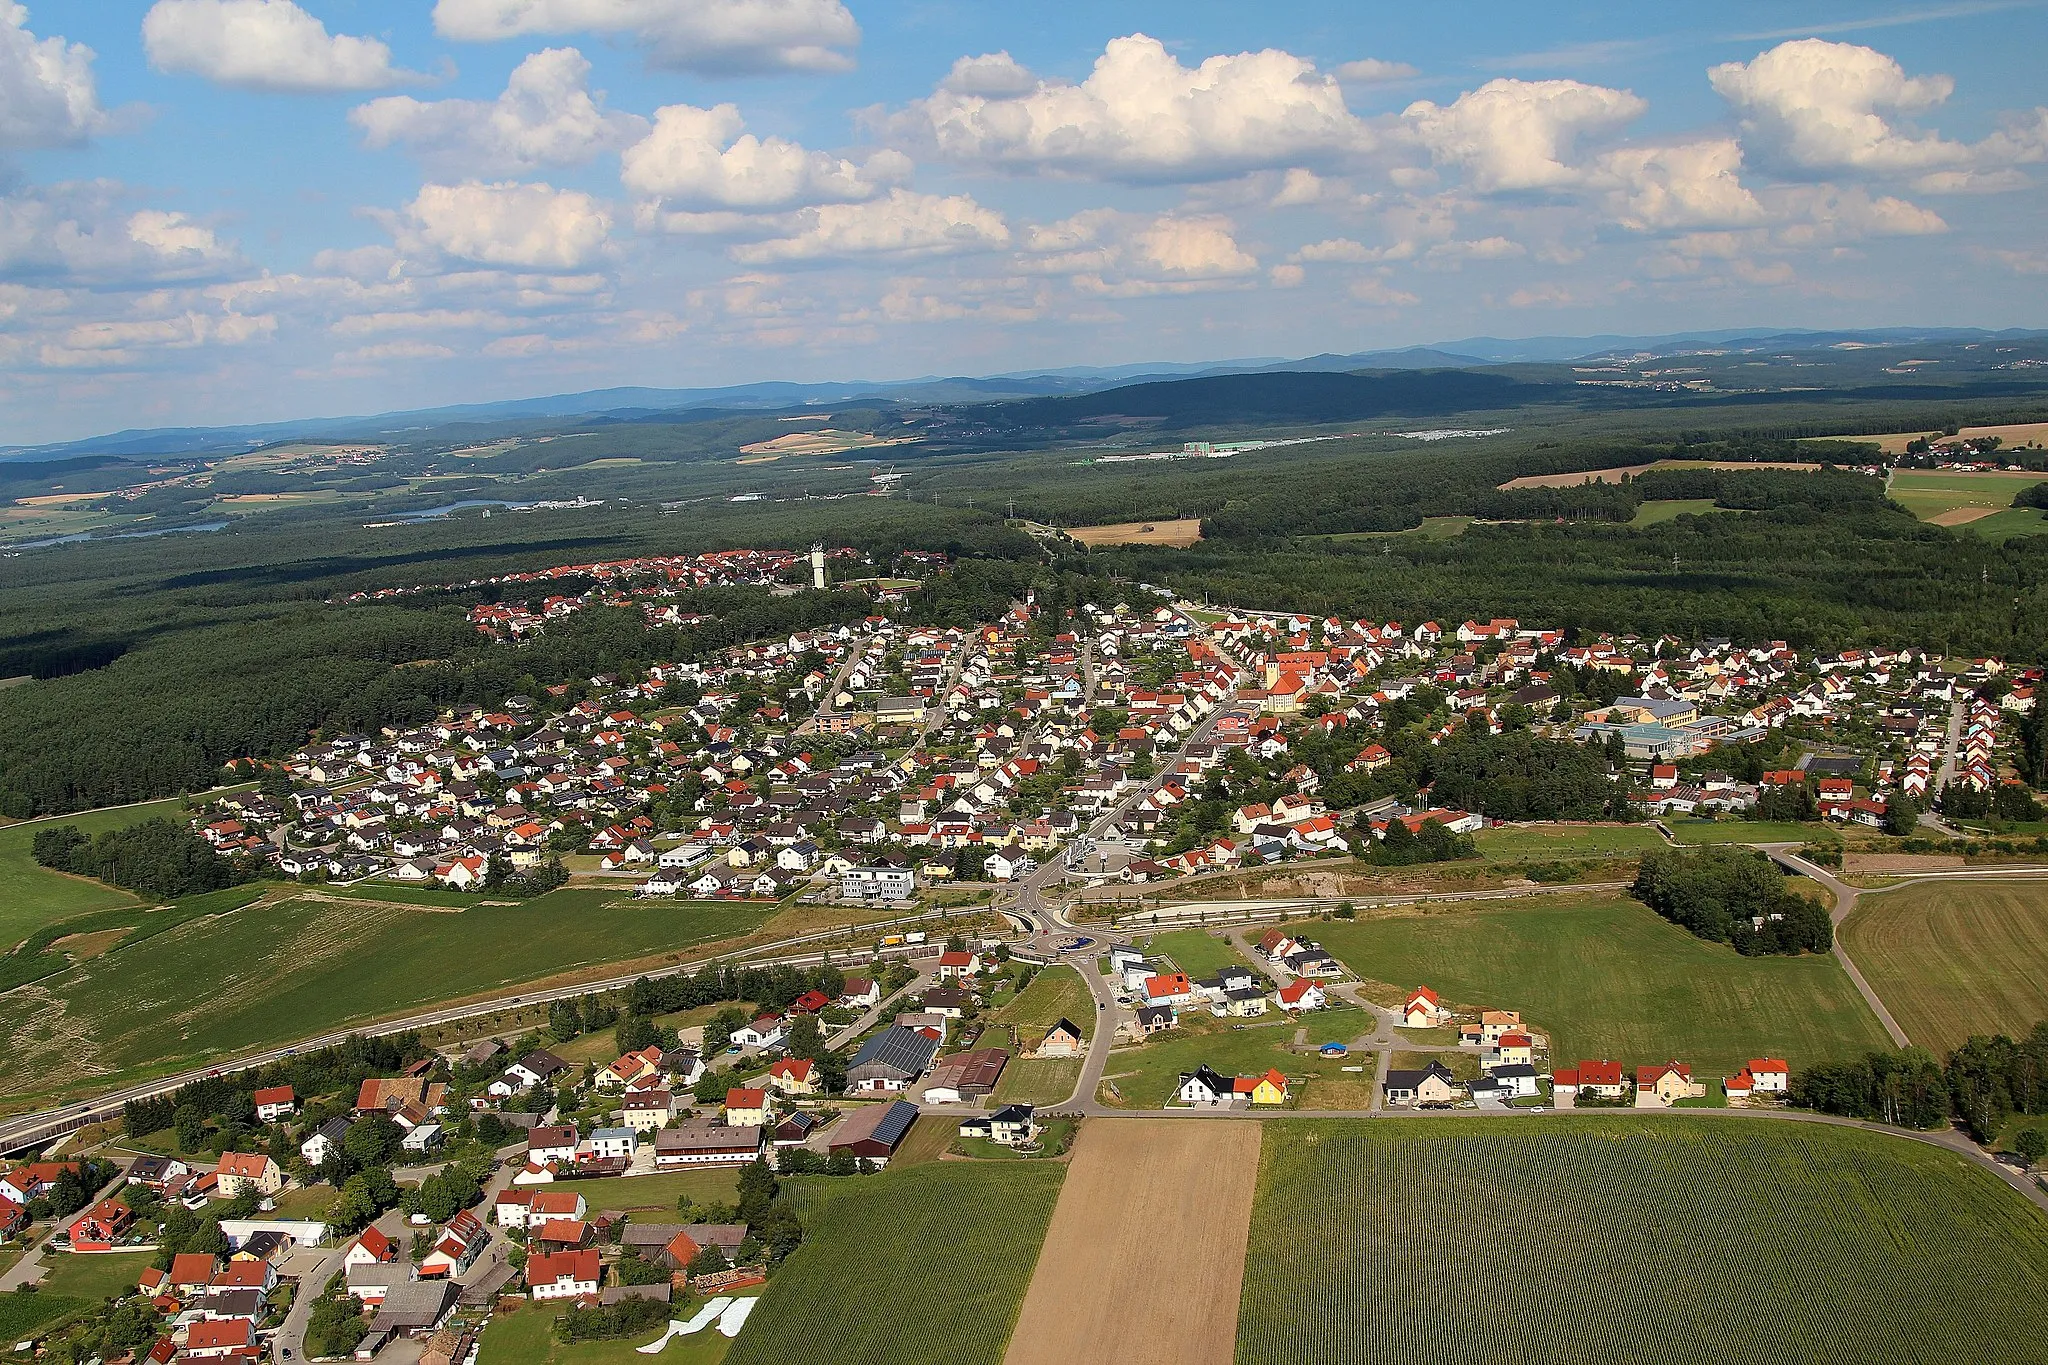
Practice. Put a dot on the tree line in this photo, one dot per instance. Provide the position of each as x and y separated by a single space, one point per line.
1727 894
158 857
1982 1085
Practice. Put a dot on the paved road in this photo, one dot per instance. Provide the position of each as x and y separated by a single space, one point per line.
289 1343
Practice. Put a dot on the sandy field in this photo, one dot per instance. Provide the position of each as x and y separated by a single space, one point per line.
1144 1261
1960 516
1178 534
825 441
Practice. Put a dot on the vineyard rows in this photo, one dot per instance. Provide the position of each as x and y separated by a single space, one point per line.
1593 1239
921 1266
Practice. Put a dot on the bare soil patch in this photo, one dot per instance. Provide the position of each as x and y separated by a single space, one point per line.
83 946
1961 516
1900 862
1144 1261
1178 534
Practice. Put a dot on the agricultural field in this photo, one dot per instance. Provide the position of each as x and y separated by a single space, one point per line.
1432 528
528 1337
22 1315
1177 534
925 1266
2007 524
1197 952
1146 1248
1954 958
2013 434
1146 1075
309 963
1583 1238
1609 978
32 896
1740 831
1544 843
1950 498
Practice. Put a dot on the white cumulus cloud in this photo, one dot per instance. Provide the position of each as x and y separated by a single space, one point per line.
1372 70
902 224
1126 255
1520 135
547 116
263 45
702 160
1688 185
84 233
692 35
510 224
1140 116
47 97
1813 105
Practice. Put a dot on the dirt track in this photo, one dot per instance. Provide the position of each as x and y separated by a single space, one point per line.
1145 1257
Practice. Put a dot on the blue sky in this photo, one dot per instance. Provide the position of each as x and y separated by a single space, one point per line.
239 210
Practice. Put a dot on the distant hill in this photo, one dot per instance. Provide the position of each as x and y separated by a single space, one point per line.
1284 396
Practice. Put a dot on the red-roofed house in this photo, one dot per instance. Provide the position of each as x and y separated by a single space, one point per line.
794 1076
746 1107
1661 1086
275 1102
1422 1009
100 1227
371 1248
1300 994
460 1242
1772 1075
240 1171
563 1275
221 1338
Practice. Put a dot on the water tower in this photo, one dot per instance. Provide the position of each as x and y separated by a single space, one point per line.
818 567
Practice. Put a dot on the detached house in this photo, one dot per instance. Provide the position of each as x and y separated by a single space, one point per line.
1431 1085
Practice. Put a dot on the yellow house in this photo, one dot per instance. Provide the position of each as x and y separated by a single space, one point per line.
1659 1087
1270 1088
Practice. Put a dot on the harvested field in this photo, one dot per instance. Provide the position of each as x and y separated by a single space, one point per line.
1953 958
2012 433
1960 516
824 441
1144 1261
1615 475
1177 534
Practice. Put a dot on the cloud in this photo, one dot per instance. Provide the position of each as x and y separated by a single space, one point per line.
1124 255
1379 293
545 117
1688 185
47 97
263 45
1520 135
511 224
714 36
902 224
1371 71
699 159
1813 105
82 233
1140 116
395 350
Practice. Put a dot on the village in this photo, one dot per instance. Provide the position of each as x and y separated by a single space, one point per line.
1000 776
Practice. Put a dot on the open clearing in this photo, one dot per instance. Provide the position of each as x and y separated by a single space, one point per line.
2004 524
1609 978
1177 534
1587 1239
1929 494
308 963
1954 958
1146 1253
1660 510
1197 952
924 1266
824 441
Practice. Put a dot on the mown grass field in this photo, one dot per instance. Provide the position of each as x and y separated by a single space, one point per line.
1027 1080
1197 952
1608 978
925 1266
527 1337
94 1277
2007 524
1954 958
1147 1074
1541 843
1741 831
32 896
1591 1239
297 967
1927 493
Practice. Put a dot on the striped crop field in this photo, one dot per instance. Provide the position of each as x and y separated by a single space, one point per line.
1590 1239
920 1266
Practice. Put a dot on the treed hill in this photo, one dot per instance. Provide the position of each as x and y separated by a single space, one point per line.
1286 396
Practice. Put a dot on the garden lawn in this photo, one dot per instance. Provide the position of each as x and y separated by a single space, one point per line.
1953 958
1582 1238
1541 843
1147 1075
924 1266
1197 952
284 971
527 1337
1029 1080
1609 978
111 1275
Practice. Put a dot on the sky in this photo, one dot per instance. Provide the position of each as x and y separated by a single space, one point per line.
229 211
